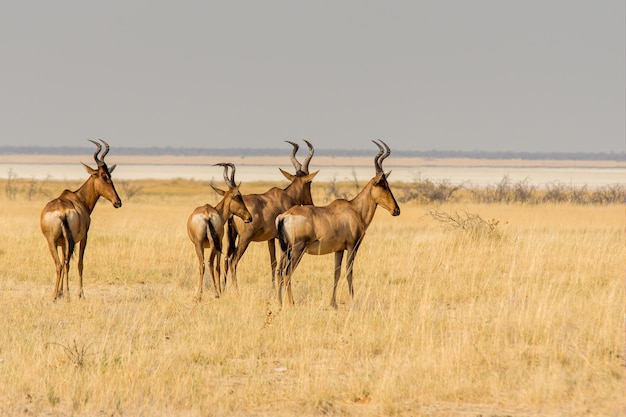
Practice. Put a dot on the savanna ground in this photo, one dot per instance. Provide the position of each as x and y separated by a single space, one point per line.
463 307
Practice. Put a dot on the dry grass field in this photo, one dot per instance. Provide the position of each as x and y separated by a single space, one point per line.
523 318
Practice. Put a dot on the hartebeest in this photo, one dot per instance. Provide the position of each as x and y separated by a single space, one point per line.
340 226
264 208
65 220
205 227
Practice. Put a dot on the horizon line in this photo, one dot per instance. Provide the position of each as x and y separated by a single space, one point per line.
267 151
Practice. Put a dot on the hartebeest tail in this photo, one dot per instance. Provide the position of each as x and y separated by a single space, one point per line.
215 237
205 227
336 228
65 220
280 235
70 243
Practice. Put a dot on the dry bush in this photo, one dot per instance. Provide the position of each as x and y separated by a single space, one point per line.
552 193
424 190
506 192
558 193
130 188
342 189
10 188
469 223
75 354
609 194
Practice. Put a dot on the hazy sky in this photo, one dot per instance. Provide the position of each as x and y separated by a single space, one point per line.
446 75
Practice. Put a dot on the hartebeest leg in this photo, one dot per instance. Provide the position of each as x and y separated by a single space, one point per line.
296 252
66 275
271 246
64 260
81 254
349 269
282 271
338 260
243 245
284 274
200 253
218 273
214 269
58 269
231 247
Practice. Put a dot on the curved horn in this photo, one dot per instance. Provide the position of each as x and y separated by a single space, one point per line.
377 159
106 150
387 153
297 165
95 155
230 181
222 164
305 164
232 175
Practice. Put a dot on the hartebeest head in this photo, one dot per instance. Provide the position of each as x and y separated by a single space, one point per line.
381 192
101 176
302 171
233 200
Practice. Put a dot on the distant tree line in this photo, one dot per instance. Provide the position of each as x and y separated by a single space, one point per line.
181 151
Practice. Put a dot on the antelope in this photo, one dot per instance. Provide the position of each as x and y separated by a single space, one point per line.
66 219
264 208
205 228
337 227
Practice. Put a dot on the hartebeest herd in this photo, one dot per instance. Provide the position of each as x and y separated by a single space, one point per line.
287 214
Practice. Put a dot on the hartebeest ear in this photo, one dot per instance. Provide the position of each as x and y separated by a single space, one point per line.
217 190
287 175
90 170
235 191
310 177
381 175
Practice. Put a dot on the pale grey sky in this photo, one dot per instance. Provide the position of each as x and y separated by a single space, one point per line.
491 75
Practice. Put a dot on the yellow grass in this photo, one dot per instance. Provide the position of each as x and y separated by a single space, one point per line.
527 321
